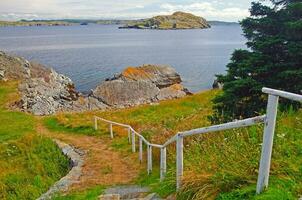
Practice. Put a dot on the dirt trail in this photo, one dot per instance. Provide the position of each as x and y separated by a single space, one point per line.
103 166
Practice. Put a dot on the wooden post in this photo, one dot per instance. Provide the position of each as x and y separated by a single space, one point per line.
111 130
95 123
133 142
140 149
149 159
163 163
129 135
267 145
179 161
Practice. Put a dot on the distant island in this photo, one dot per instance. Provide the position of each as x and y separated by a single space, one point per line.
64 22
178 20
36 23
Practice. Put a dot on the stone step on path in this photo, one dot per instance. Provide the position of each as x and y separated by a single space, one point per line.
133 192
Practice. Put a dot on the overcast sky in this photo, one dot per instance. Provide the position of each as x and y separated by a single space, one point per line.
226 10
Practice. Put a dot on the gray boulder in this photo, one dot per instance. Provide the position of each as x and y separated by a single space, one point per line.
173 92
42 97
120 93
140 85
87 103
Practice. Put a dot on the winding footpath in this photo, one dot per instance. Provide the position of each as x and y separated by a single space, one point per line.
102 165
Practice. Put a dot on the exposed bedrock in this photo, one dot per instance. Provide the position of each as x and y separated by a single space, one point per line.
43 91
140 85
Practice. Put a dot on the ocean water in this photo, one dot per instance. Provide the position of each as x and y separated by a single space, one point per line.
90 54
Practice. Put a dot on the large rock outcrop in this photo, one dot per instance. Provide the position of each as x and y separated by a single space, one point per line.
44 96
43 91
140 85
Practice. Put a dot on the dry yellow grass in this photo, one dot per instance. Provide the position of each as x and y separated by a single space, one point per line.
215 164
157 121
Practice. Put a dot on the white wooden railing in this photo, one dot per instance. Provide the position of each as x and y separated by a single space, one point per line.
269 121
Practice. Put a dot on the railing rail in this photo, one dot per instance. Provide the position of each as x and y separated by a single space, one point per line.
269 121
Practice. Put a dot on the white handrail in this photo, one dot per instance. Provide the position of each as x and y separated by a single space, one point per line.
112 122
269 131
171 140
269 120
226 126
286 95
179 139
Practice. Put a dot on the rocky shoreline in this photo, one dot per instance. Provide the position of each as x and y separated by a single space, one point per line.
43 91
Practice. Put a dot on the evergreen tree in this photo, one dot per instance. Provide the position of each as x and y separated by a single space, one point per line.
274 60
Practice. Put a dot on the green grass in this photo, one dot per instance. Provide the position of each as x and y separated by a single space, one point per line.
226 164
90 194
29 164
53 124
278 190
164 188
220 165
120 144
13 124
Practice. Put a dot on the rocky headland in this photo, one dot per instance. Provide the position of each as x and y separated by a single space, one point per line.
43 91
178 20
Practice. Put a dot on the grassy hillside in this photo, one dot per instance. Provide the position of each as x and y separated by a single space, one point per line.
218 165
29 163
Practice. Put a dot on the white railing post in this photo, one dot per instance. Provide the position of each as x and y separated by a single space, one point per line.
179 161
267 145
95 123
111 130
133 142
149 158
140 149
129 135
163 163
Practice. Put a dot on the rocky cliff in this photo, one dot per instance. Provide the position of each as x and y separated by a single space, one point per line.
43 91
178 20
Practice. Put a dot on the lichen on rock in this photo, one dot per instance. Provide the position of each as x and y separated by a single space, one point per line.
140 85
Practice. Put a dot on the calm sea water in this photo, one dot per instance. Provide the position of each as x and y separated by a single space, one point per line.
90 54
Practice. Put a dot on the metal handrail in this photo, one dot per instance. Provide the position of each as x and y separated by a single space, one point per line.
269 121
